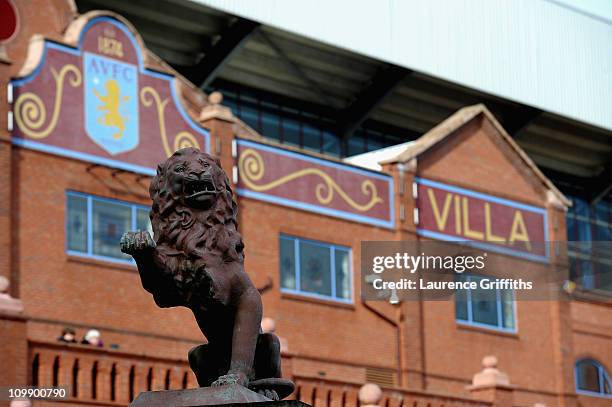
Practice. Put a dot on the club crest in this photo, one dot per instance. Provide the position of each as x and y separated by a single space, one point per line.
95 100
111 103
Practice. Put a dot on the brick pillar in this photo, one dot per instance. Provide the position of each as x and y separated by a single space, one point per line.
499 396
412 358
192 382
13 339
170 371
561 334
351 399
492 385
336 397
6 179
5 210
176 378
122 383
140 379
65 373
220 122
561 329
45 369
307 393
13 349
103 381
320 399
159 376
84 378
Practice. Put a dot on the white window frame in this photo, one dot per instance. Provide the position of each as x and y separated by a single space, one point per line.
89 215
603 376
332 247
499 327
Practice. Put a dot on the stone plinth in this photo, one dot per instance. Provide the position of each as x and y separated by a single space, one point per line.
492 385
233 395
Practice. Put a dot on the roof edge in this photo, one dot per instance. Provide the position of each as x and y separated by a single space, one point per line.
458 120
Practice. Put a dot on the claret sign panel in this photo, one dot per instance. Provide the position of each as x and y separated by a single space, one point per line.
451 213
300 181
98 103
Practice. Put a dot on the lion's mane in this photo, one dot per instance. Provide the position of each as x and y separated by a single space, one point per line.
192 239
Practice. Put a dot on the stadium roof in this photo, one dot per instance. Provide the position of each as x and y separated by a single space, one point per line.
552 95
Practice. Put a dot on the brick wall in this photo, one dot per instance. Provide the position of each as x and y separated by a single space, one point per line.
327 342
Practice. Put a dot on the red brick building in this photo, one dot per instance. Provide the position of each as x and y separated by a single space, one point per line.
89 112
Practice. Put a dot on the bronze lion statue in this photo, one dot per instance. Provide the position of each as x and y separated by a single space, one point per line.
195 260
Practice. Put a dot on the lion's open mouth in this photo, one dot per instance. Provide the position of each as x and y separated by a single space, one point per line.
197 188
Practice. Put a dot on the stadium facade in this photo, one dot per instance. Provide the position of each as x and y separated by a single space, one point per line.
331 139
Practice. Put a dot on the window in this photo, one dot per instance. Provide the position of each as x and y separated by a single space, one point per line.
590 267
315 269
487 308
95 225
592 378
296 124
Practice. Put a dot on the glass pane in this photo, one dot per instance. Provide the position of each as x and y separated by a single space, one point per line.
271 126
356 143
507 304
287 263
375 141
604 277
291 132
574 270
572 234
580 207
110 221
484 306
461 305
312 138
343 274
584 230
331 144
586 274
607 387
250 115
602 211
231 103
315 273
588 376
603 232
77 223
142 220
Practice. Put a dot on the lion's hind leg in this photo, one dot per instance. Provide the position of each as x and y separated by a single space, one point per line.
206 365
267 356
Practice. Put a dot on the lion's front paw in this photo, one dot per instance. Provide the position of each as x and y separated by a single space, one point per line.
231 378
136 242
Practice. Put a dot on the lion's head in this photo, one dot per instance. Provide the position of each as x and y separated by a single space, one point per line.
193 213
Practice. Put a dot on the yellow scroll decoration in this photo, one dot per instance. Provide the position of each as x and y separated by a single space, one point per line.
183 139
30 111
252 168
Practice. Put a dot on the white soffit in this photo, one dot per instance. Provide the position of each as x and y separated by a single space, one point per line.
536 52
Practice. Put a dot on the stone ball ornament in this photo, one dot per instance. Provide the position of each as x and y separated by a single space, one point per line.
4 285
370 394
195 259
